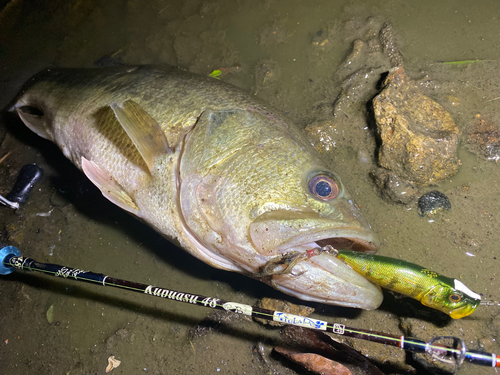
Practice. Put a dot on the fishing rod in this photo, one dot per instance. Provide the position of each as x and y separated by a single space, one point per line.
446 349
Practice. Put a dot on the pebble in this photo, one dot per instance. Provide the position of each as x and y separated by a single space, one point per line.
431 203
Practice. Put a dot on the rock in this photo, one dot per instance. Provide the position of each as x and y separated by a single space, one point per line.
324 135
393 188
483 138
283 306
432 203
419 137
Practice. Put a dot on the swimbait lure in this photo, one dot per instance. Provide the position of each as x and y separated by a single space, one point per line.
439 292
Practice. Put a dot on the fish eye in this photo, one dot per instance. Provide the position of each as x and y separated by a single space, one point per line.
455 297
323 187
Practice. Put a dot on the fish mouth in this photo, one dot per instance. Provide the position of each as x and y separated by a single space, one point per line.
323 277
353 244
345 239
469 306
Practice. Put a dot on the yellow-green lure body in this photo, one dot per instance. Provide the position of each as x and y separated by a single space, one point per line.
442 293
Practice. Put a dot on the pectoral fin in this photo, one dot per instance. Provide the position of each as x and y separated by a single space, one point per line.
109 187
143 130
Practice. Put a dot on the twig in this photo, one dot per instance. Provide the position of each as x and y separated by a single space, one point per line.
5 156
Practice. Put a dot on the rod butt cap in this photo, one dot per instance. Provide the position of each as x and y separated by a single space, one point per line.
4 253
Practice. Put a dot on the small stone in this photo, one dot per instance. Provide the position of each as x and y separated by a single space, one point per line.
50 314
483 138
431 203
323 135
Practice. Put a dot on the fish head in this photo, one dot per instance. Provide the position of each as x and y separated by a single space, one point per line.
452 297
314 210
253 189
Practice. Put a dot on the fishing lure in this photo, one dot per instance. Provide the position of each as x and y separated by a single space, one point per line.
439 292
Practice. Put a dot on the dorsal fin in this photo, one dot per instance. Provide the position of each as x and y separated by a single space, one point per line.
109 187
143 130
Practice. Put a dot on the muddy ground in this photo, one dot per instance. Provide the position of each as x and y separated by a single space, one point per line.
297 56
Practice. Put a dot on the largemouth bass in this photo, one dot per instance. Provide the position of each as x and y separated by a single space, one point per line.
212 169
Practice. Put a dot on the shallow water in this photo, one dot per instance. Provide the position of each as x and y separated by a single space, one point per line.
290 54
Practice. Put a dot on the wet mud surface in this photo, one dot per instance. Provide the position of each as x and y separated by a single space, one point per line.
321 63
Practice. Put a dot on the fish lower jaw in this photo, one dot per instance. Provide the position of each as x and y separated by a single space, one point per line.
326 279
325 301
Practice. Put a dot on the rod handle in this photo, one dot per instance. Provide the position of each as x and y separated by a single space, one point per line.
28 176
5 254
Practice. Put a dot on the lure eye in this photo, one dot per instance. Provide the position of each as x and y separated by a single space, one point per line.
323 187
455 297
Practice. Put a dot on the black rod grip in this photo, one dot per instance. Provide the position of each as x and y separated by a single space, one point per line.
28 176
